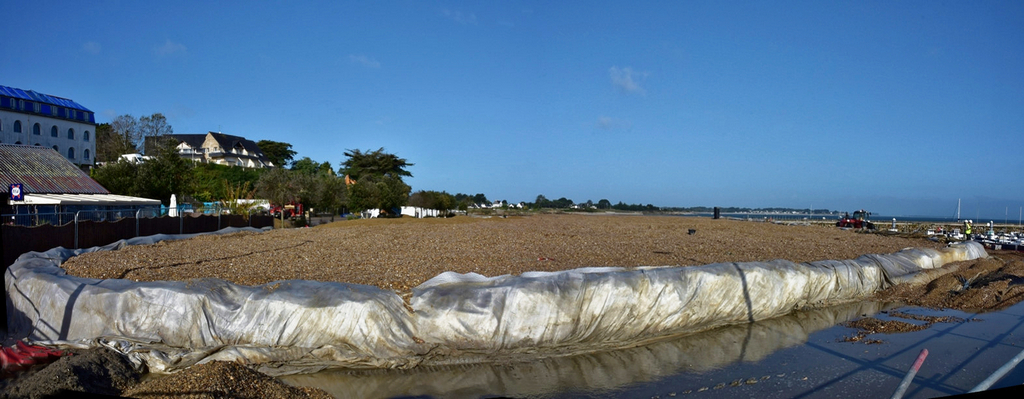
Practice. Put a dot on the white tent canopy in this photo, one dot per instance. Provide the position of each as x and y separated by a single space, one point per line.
84 199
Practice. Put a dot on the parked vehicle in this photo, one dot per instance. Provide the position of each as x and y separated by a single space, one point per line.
289 210
858 221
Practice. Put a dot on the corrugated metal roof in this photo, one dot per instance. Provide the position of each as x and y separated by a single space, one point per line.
85 199
40 97
42 170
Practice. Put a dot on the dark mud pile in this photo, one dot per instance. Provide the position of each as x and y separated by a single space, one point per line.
105 372
871 325
96 371
981 285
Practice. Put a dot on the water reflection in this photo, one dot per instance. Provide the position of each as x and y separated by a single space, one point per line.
594 372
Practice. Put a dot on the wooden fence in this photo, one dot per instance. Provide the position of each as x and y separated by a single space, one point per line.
17 240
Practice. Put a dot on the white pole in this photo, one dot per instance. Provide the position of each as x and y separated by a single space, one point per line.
984 385
907 379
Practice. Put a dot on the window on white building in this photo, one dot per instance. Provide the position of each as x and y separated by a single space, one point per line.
85 154
85 137
17 126
53 131
71 134
71 153
36 129
56 149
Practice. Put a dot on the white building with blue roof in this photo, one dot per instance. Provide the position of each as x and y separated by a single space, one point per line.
36 119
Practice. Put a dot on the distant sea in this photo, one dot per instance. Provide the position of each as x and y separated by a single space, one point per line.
834 217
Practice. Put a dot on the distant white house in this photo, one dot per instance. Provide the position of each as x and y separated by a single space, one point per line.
412 211
497 205
135 158
215 147
418 212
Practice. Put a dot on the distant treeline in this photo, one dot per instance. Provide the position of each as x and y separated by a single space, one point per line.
543 202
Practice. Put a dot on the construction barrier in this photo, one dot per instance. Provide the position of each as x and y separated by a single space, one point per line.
298 326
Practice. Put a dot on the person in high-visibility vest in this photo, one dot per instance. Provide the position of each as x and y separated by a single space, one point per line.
967 229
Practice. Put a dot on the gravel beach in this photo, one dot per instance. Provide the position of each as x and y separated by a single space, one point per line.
399 254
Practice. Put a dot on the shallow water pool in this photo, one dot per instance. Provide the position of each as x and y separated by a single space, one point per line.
798 355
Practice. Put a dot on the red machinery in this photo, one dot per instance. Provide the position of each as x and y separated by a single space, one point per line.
22 356
858 221
289 210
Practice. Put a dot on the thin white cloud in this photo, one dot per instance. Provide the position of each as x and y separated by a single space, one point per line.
364 61
91 47
170 48
612 124
460 17
626 80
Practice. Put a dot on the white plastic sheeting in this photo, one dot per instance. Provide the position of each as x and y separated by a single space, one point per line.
302 326
601 371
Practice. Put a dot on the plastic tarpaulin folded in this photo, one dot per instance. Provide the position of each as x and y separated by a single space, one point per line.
602 370
602 306
303 326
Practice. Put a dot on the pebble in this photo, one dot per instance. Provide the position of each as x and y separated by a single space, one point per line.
399 254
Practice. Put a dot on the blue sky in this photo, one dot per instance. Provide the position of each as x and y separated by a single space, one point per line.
898 107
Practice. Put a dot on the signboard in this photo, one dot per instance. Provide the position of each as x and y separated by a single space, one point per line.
17 194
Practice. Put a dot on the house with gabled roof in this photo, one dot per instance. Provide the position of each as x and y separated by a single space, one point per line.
31 118
215 147
42 182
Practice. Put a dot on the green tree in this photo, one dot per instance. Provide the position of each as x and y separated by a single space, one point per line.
385 193
117 176
126 129
234 193
310 167
604 204
541 202
441 201
129 134
152 126
374 163
210 177
378 180
279 154
279 187
110 144
164 174
332 193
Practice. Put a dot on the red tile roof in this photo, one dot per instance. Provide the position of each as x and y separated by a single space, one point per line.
42 170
